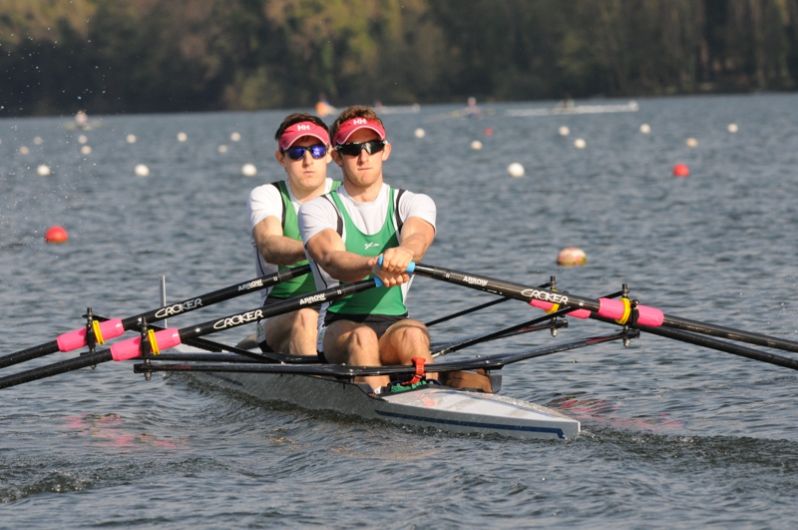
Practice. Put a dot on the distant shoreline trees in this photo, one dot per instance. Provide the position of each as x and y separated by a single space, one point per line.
122 56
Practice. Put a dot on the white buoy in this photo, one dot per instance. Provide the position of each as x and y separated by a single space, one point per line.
222 149
580 143
732 128
23 150
515 170
141 170
645 128
43 170
571 257
85 149
476 145
182 137
564 131
691 143
38 140
82 139
249 170
131 139
420 133
235 136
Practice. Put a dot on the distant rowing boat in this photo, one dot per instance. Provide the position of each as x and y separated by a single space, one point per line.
566 109
397 109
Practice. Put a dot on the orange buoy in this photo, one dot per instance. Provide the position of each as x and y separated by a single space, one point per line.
488 131
681 170
571 257
56 234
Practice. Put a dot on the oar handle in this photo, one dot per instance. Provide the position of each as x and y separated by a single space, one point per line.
411 268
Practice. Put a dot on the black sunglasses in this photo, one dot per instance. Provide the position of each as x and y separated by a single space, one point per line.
371 147
298 152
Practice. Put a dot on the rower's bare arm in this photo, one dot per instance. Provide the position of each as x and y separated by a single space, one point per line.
274 246
327 249
417 235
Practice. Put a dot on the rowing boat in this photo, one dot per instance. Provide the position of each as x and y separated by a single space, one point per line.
316 386
432 406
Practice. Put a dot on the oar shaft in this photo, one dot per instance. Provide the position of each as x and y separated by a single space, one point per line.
89 359
466 311
190 304
735 349
29 353
729 333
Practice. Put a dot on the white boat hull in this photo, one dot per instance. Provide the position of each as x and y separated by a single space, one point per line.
437 407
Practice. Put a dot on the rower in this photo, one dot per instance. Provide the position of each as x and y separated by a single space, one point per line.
303 151
347 230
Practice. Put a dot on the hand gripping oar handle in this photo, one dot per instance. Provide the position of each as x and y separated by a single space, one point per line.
411 267
617 311
113 328
170 337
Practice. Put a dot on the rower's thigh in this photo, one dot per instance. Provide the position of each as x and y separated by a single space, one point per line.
404 340
278 331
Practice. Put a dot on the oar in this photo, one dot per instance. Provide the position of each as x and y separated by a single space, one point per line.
617 311
113 328
171 337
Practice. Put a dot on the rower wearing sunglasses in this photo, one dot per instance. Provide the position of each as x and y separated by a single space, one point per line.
347 230
303 150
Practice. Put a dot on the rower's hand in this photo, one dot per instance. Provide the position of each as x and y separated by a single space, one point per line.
393 270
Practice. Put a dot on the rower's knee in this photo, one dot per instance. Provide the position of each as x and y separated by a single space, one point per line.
363 347
306 319
414 338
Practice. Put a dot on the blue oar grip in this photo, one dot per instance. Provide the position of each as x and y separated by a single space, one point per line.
411 267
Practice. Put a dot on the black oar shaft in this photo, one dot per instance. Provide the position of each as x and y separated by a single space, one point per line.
466 311
89 359
170 310
529 326
29 353
190 304
735 349
729 333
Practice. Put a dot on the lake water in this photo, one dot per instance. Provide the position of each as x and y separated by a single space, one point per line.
674 436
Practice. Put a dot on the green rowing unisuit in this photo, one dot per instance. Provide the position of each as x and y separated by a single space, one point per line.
303 283
382 300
